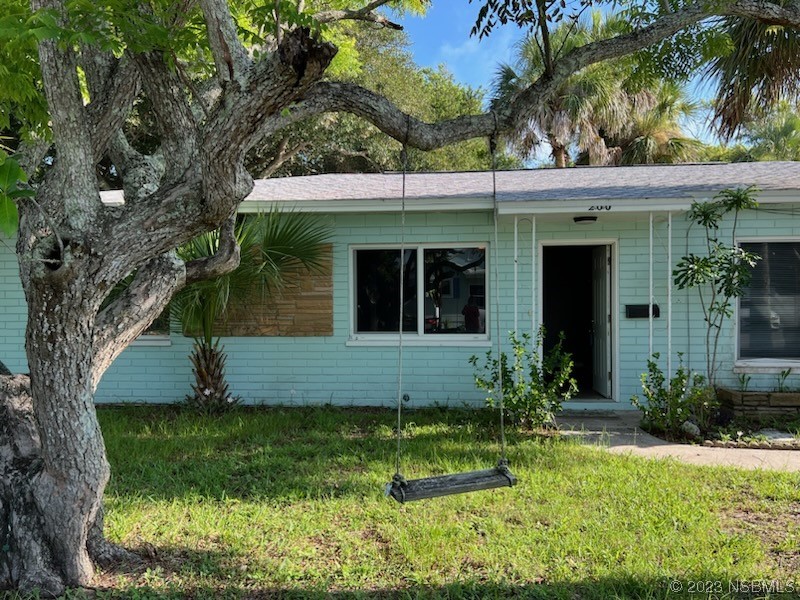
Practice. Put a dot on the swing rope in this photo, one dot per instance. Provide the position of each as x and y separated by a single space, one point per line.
404 160
442 485
496 252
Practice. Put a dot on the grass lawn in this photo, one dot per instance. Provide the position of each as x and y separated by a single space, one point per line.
289 503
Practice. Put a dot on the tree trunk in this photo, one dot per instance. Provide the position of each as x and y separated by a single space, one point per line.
52 459
27 561
559 154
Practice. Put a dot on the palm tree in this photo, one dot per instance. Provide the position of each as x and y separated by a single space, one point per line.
655 134
612 112
776 136
270 244
591 104
760 71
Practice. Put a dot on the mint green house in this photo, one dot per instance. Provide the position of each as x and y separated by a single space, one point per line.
587 251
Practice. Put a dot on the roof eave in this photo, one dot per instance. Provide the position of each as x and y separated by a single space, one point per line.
387 205
630 205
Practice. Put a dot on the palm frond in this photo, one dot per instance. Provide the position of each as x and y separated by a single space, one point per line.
761 69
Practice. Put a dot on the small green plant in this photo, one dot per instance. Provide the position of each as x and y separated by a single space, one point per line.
534 384
744 381
670 404
782 379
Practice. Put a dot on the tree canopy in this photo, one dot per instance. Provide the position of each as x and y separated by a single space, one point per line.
614 112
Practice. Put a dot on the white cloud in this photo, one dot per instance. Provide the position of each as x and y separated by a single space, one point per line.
474 62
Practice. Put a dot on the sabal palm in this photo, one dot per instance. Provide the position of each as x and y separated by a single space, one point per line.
270 245
655 134
761 69
775 136
594 100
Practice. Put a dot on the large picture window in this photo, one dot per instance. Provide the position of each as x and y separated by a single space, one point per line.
452 281
769 311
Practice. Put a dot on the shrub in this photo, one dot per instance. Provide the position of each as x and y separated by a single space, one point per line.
686 397
533 385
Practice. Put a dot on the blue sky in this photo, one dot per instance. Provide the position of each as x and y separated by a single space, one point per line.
442 37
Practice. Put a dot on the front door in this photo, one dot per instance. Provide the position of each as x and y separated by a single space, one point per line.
601 320
577 302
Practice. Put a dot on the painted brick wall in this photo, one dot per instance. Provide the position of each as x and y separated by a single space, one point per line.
13 310
315 369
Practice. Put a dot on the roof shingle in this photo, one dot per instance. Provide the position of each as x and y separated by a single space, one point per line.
591 183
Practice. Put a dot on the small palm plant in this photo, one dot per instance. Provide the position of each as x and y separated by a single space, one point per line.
270 244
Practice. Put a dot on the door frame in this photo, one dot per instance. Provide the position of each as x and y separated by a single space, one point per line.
613 244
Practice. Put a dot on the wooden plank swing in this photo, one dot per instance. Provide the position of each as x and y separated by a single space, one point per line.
406 490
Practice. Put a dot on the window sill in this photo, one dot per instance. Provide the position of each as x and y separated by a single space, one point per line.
765 365
441 341
152 340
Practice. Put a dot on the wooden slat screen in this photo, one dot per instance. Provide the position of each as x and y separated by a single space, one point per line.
303 307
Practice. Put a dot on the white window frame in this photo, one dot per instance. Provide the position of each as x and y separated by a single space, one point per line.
759 365
152 339
419 337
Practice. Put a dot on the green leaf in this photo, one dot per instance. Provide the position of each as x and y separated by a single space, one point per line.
27 193
10 174
9 216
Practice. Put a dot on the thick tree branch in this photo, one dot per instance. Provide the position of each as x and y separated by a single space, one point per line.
135 309
362 14
140 173
234 124
114 85
377 109
762 10
173 113
78 193
224 261
230 55
381 112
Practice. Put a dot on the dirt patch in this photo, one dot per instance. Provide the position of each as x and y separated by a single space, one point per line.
778 530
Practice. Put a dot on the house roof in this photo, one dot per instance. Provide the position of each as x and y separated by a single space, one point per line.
571 190
546 189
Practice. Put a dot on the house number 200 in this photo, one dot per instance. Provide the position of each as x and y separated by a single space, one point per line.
600 207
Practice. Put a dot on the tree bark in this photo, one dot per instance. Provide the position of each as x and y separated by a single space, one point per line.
27 560
53 465
559 152
55 459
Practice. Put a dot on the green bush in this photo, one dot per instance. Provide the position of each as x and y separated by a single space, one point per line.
533 385
687 397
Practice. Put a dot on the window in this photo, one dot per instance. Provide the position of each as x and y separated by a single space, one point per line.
447 278
769 311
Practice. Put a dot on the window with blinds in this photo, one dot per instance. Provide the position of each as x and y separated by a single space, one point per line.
769 311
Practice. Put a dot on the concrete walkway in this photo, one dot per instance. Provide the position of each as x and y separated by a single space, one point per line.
620 432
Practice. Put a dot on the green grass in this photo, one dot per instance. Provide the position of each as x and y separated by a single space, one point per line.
289 503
